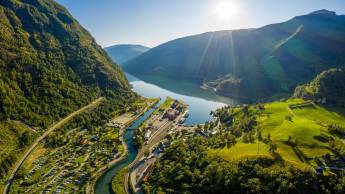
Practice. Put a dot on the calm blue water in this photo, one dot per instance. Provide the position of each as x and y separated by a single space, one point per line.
201 102
103 184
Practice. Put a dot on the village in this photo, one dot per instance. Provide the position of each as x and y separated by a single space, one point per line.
74 166
70 167
158 128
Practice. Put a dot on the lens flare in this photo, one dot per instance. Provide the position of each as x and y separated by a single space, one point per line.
225 10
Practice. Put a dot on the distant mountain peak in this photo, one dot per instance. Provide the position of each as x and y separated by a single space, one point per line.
122 53
323 12
126 45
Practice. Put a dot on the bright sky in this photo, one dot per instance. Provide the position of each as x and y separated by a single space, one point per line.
152 22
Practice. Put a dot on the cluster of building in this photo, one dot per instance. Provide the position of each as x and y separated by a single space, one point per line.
144 170
61 173
174 111
65 169
171 114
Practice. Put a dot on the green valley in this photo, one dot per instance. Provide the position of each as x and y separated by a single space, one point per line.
244 110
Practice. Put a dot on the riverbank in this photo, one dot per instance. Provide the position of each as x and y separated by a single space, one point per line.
126 152
165 118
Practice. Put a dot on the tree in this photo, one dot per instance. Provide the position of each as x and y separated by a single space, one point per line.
268 137
288 118
259 136
24 139
289 140
272 148
146 152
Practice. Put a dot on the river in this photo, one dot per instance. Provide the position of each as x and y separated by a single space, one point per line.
201 103
103 184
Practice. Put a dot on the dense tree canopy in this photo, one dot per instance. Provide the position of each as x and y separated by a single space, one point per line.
327 87
49 67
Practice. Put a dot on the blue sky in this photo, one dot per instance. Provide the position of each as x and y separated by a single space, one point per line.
152 22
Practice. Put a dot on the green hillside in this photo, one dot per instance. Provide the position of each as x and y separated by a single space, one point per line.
251 63
300 129
328 88
50 66
265 148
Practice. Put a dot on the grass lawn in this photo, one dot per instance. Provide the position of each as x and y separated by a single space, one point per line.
306 125
165 105
241 150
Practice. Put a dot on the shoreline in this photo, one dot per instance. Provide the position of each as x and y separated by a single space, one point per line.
91 185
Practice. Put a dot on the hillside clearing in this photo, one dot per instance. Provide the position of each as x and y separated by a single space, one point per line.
298 128
241 150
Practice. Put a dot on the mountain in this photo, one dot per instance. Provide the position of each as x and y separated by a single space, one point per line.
124 52
46 59
327 87
251 63
50 66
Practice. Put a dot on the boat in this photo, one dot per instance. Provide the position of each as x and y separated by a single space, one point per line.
186 114
182 120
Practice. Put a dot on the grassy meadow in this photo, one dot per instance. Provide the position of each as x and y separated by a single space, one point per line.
295 120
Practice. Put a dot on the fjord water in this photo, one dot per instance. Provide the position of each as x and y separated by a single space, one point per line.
103 184
201 102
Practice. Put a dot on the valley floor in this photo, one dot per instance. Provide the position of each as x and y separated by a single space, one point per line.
79 157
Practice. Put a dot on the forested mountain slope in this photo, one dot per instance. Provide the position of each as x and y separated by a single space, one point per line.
49 67
327 87
251 63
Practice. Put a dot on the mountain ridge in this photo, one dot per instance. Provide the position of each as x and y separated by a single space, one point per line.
248 54
122 53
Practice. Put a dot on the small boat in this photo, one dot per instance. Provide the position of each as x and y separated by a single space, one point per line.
182 120
186 114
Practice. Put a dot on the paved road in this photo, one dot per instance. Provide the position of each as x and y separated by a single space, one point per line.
50 129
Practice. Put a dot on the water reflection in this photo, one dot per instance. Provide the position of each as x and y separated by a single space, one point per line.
201 102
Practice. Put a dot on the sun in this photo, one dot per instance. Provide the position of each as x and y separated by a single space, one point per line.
226 9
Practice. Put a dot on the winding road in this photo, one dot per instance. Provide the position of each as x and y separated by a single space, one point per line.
50 129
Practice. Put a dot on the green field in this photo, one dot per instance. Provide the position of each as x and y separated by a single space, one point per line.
306 124
165 105
241 150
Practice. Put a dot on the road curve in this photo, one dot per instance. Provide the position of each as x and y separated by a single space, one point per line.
50 129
